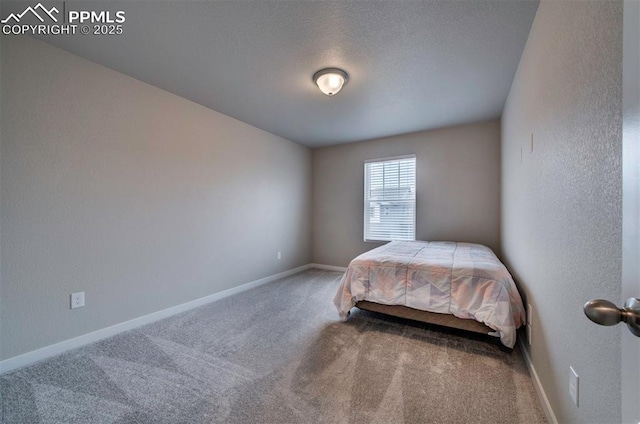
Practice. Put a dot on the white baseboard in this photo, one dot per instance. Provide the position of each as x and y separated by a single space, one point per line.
329 267
55 349
544 400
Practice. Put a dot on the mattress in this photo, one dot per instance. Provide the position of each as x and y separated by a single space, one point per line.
466 280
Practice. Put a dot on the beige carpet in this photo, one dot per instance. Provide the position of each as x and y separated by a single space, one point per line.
277 354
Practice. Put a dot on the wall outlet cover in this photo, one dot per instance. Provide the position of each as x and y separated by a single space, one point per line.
574 387
77 300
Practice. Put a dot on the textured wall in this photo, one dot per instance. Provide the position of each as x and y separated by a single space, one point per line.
140 198
561 207
630 202
458 189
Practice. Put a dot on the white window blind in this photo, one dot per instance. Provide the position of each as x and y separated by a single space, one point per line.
390 199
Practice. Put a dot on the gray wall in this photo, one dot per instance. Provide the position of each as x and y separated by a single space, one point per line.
458 189
561 207
138 197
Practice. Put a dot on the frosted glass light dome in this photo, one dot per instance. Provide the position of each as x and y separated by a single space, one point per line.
331 80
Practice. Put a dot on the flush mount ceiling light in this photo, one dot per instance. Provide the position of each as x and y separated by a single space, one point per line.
330 80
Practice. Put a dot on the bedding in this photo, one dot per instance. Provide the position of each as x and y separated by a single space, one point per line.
463 279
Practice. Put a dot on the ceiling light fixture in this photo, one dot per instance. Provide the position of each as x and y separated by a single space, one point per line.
330 80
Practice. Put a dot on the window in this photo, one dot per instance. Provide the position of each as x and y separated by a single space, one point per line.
390 199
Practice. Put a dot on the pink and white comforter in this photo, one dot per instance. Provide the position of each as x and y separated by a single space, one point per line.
463 279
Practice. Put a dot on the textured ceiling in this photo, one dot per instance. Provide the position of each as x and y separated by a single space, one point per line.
413 65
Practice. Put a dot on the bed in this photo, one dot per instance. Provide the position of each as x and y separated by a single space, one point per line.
459 285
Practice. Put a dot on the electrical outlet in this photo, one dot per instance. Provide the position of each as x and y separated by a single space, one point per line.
573 385
279 255
77 300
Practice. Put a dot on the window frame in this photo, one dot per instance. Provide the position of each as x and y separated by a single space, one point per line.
366 200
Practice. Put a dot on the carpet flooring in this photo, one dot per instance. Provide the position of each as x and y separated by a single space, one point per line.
277 354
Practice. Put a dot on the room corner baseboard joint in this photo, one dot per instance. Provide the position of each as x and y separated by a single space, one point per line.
328 267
